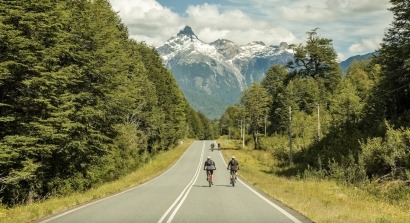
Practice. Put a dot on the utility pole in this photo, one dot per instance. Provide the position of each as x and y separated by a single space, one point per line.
229 132
290 135
243 135
318 122
265 124
241 128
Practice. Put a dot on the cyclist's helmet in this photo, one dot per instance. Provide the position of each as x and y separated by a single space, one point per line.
209 157
233 157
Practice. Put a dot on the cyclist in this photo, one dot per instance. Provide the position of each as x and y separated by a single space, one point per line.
209 166
212 146
219 146
233 165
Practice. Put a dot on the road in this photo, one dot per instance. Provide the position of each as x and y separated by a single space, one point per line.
182 194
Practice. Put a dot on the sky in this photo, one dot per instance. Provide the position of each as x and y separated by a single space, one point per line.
356 27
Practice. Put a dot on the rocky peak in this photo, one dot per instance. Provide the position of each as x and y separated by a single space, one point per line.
256 43
187 31
284 45
227 48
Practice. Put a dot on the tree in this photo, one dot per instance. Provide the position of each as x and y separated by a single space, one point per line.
233 119
256 101
274 83
81 103
317 59
393 93
170 98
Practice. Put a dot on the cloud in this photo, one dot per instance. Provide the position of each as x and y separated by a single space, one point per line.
211 24
366 45
147 20
355 6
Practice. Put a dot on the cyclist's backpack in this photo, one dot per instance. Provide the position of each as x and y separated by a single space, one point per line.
210 165
234 165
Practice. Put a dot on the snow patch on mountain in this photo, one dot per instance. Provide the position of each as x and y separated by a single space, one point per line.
221 69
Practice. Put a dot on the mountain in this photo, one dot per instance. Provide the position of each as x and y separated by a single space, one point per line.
344 65
213 75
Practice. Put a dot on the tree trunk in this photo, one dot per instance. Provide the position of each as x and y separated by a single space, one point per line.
255 139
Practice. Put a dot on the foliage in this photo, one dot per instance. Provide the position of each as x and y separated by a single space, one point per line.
317 59
389 157
81 103
391 97
256 101
352 128
274 83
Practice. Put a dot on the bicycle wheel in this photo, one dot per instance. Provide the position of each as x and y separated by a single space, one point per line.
233 180
209 179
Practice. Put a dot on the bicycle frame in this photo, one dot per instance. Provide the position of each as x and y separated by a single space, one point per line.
210 177
233 177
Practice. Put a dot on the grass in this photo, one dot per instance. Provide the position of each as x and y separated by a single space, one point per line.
156 166
319 200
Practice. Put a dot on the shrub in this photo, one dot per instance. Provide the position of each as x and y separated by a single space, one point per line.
388 157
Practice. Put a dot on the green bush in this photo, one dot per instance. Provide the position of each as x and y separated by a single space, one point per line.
388 157
347 172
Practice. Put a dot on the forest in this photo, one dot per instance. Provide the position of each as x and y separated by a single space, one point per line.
351 127
81 103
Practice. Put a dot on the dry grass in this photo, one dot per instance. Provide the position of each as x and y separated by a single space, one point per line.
28 213
319 200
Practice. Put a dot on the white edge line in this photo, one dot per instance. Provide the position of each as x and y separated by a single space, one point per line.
182 193
111 196
291 217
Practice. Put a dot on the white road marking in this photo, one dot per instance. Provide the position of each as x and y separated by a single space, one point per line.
291 217
183 194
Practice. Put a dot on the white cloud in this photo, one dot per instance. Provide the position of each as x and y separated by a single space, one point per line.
147 20
306 13
211 24
355 6
366 45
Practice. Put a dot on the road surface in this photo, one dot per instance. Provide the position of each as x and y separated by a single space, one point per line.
182 194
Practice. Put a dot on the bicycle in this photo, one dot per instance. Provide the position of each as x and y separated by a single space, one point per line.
233 177
210 178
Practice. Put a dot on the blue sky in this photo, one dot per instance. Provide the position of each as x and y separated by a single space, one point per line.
355 26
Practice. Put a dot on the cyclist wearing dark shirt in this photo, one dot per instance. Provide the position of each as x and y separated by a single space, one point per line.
233 165
209 166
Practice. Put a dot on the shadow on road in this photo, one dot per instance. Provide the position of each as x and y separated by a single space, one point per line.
215 185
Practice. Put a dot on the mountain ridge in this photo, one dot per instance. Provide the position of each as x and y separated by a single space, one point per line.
213 75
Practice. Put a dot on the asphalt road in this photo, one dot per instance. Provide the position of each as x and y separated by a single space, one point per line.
182 194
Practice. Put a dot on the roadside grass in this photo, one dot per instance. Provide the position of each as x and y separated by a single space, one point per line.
318 200
29 213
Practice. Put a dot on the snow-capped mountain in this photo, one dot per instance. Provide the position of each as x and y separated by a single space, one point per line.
213 75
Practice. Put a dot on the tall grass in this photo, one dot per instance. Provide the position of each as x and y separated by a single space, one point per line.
154 167
318 199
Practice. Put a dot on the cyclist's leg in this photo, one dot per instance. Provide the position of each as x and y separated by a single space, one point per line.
212 175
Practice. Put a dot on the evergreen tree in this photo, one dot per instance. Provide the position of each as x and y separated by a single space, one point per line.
170 99
256 101
317 59
274 83
393 94
29 29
